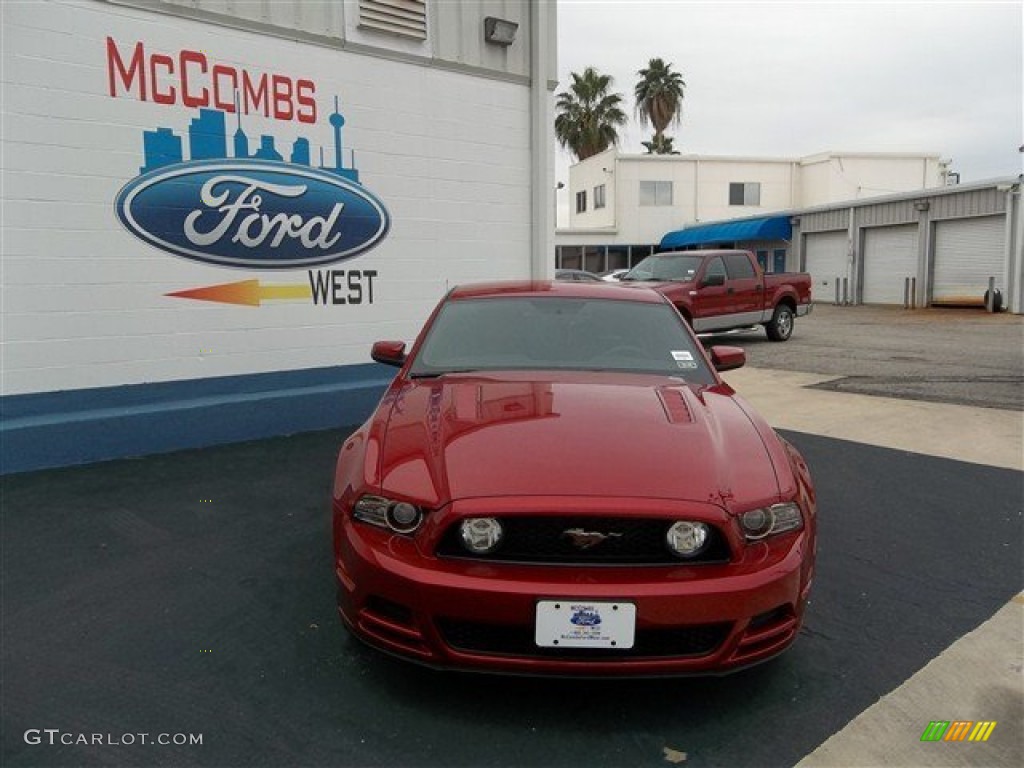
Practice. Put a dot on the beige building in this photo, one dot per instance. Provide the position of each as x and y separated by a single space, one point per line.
621 206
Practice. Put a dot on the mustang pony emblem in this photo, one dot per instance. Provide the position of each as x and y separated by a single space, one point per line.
587 539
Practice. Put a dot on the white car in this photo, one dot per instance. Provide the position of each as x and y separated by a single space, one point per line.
614 275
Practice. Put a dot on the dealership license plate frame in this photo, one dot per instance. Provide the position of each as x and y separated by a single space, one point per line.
555 626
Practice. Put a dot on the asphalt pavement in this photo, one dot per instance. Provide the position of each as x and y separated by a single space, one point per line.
193 593
942 355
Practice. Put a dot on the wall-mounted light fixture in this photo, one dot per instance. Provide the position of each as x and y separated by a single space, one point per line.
499 31
922 206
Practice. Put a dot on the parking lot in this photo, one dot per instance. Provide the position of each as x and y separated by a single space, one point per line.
964 356
193 593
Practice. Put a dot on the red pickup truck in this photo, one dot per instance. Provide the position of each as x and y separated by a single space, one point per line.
721 290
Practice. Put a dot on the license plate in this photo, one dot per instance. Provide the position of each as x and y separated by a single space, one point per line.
584 624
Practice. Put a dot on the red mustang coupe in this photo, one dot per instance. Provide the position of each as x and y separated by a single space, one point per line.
558 482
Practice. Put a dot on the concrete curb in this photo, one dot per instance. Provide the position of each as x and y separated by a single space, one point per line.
978 678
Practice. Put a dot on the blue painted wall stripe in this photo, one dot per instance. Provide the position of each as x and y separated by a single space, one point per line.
56 429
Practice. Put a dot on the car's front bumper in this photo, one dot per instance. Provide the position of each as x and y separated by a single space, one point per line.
474 615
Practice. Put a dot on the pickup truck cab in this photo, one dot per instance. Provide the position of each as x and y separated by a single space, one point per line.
721 290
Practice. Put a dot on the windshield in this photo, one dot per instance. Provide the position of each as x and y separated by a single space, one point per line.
665 266
548 333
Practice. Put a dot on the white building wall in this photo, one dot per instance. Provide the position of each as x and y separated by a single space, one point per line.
458 28
700 191
849 176
637 220
584 177
775 179
814 179
85 302
701 187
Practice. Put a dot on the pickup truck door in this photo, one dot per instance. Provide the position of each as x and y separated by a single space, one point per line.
711 300
745 285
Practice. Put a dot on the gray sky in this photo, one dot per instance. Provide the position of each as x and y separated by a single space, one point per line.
796 78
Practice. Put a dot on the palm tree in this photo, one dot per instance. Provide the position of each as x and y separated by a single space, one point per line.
662 146
659 98
588 116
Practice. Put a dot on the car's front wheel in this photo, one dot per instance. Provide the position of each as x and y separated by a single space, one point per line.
780 327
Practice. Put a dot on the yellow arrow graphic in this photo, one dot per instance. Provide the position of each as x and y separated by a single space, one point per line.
246 292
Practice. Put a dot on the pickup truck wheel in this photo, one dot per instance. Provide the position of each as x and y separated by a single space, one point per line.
780 327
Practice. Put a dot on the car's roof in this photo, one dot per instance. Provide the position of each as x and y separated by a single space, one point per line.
553 288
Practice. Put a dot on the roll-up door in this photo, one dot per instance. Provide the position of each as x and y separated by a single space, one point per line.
967 252
826 258
890 257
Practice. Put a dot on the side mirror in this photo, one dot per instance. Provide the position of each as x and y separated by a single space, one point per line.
728 358
389 352
715 279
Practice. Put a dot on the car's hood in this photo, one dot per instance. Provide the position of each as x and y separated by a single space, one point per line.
580 434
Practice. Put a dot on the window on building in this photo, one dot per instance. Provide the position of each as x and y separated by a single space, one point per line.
655 193
618 257
405 18
593 258
779 259
581 201
569 257
599 196
762 259
745 193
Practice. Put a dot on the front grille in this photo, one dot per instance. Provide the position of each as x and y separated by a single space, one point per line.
506 640
640 541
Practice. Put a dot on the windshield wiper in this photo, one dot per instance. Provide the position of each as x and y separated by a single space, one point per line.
438 374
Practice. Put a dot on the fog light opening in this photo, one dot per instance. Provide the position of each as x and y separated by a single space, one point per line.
687 539
481 535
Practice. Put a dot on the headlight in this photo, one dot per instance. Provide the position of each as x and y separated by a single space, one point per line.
398 516
481 535
778 518
404 517
686 539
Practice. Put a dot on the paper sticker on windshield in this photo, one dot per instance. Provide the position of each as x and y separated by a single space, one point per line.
681 354
686 364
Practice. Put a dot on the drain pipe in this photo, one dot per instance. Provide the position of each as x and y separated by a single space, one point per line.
542 175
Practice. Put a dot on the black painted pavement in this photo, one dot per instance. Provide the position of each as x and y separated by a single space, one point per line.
193 593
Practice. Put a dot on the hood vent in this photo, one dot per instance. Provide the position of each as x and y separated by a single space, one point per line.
674 402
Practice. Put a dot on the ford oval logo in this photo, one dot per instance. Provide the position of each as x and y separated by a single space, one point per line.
252 213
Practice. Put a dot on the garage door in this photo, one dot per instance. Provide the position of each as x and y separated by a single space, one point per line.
890 257
967 252
826 257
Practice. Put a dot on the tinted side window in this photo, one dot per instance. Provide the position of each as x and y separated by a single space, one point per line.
715 267
739 266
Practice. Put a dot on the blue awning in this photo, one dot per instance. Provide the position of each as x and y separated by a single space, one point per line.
767 228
